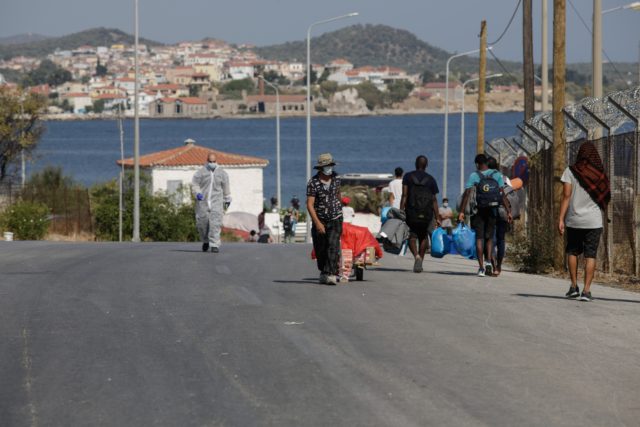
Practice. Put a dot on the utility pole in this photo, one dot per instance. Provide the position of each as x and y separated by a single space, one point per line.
481 86
559 162
545 59
136 137
527 60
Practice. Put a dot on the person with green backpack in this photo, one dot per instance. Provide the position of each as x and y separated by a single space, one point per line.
420 205
488 184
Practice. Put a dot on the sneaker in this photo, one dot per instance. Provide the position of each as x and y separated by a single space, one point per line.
586 296
332 280
215 249
205 247
488 268
574 292
323 279
417 265
481 272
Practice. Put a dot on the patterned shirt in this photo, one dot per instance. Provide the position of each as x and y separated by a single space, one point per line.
327 200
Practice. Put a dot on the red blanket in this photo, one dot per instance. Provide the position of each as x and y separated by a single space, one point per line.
357 239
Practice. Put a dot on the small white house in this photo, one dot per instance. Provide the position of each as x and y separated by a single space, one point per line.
172 169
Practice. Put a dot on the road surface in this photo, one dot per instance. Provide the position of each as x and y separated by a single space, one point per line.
162 334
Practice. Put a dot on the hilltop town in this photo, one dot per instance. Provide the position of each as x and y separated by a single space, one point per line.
212 78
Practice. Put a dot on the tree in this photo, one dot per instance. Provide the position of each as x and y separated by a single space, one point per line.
234 88
399 90
314 77
328 88
427 76
274 77
101 70
98 106
325 76
47 72
370 94
20 126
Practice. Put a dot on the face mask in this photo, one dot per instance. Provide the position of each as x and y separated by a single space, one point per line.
212 165
445 204
327 170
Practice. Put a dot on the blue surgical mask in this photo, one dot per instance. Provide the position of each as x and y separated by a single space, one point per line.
212 165
327 170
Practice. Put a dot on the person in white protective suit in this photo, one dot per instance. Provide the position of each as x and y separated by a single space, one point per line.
210 186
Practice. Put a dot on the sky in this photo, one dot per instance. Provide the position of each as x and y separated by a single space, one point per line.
449 24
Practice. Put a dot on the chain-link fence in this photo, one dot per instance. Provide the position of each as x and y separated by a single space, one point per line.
616 116
70 208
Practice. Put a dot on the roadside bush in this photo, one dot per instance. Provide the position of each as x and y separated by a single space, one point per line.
162 219
27 220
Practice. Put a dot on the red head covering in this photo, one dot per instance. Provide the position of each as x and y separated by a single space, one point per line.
589 171
345 200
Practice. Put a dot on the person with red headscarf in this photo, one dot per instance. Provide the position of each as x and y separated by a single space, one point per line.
586 194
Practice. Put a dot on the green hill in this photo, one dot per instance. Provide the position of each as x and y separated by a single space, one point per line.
92 37
374 45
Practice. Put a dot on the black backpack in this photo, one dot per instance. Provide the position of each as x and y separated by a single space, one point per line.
420 203
488 191
287 224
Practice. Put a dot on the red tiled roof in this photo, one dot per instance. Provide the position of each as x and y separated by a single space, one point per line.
191 100
193 155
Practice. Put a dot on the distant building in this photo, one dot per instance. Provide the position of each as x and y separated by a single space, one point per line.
179 107
172 169
267 103
79 101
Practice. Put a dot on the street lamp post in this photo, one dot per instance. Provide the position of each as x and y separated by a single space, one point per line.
349 15
462 127
597 41
446 119
278 186
136 136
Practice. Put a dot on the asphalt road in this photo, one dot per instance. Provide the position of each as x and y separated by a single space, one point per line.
163 334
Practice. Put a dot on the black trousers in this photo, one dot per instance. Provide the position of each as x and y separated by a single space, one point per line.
327 246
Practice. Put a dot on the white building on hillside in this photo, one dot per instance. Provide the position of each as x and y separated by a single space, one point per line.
174 168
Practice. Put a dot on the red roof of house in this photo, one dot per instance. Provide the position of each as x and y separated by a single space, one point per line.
193 155
191 100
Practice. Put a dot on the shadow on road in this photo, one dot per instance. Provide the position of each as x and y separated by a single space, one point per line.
572 299
188 250
395 270
454 273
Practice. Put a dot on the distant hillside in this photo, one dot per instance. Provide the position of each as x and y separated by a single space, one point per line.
22 38
373 45
92 37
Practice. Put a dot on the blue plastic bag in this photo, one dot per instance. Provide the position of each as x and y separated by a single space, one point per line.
464 240
440 243
383 214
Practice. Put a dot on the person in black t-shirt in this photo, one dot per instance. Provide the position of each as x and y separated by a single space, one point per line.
325 210
420 204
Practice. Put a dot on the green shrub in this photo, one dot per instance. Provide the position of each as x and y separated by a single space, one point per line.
27 220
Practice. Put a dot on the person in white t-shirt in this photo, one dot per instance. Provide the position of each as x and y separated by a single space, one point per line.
446 214
395 189
586 195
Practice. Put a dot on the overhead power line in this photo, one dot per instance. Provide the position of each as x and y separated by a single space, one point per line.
591 32
508 25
